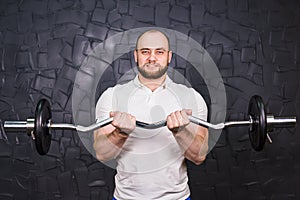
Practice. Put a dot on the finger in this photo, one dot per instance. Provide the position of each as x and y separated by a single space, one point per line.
188 111
179 118
133 121
170 124
116 119
174 120
111 114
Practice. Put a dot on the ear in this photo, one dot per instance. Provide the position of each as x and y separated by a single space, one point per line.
170 56
135 55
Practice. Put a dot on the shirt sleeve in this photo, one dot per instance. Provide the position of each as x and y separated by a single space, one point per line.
201 110
104 104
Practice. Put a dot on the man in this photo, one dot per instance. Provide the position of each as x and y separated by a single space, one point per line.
151 162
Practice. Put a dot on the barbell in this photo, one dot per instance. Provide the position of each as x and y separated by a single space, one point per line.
260 124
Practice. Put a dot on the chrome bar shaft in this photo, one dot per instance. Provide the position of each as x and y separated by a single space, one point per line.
279 122
29 124
271 121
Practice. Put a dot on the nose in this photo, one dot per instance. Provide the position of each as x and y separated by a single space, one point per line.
152 57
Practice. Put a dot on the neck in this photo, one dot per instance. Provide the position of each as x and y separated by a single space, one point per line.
152 84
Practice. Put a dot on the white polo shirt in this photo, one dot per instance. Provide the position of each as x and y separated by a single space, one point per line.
151 164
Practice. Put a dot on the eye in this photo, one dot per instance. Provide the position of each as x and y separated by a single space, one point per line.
159 52
145 52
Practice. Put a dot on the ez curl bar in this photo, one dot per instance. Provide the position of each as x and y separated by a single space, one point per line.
260 124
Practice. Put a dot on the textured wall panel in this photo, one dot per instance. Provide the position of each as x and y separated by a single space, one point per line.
255 44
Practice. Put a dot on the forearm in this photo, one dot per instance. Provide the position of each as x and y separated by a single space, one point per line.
108 145
193 140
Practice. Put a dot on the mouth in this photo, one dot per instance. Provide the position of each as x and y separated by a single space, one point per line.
152 66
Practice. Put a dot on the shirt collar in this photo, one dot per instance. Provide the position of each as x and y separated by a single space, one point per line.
164 85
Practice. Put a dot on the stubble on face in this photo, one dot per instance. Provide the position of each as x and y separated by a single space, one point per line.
153 69
161 70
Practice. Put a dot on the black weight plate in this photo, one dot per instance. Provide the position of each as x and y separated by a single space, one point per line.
41 130
258 129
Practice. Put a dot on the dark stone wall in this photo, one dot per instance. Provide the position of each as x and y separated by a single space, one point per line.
255 44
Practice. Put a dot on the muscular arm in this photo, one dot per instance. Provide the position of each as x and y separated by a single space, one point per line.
195 142
193 139
109 140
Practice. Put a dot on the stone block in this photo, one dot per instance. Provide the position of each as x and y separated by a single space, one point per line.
7 188
42 60
275 38
30 39
81 175
127 22
292 34
99 15
47 184
114 19
132 4
69 73
40 23
54 149
143 14
42 38
109 5
80 44
43 82
54 59
66 52
11 37
95 31
88 5
67 32
8 60
23 152
218 38
279 18
239 68
124 65
37 7
198 36
180 14
146 3
197 13
123 6
7 89
248 54
65 183
226 62
255 73
71 16
162 14
217 6
10 22
22 59
284 59
24 22
215 51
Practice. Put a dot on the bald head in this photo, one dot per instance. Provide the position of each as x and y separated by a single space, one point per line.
153 39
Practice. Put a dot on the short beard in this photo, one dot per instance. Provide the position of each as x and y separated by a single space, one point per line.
152 75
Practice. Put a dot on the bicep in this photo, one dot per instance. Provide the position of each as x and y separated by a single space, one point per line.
104 104
103 108
201 110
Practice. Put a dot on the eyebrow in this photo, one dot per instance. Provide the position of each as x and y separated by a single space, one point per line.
161 48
